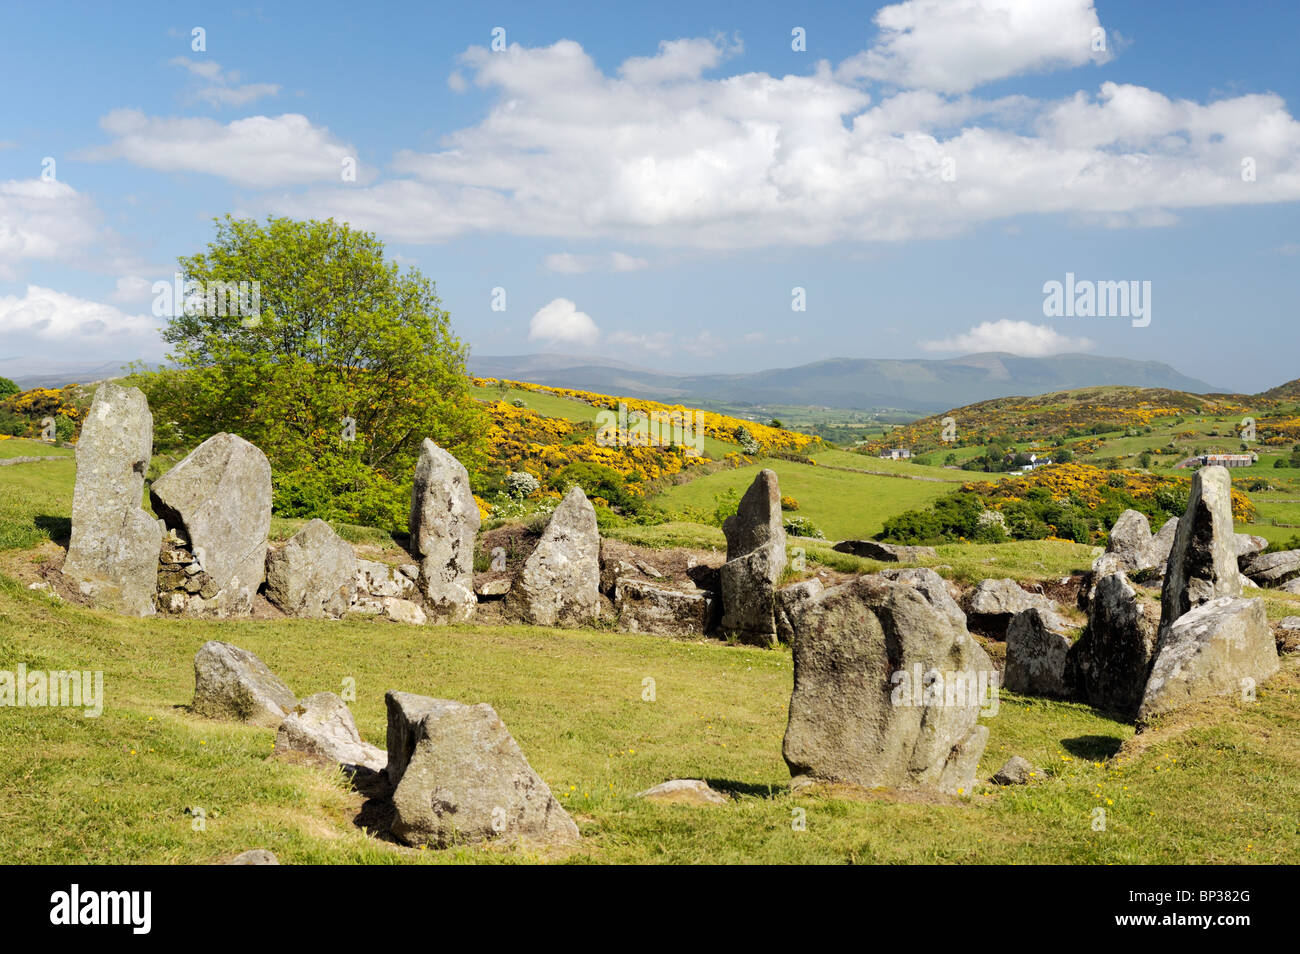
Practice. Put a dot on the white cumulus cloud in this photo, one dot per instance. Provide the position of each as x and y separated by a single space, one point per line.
1015 337
76 325
560 322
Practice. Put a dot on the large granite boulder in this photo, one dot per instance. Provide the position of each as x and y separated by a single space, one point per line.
1247 545
1222 647
232 683
1036 656
1112 659
1272 569
933 587
650 608
113 551
313 574
993 603
887 691
323 725
1129 548
755 561
886 552
559 582
1203 560
444 521
219 500
790 603
467 781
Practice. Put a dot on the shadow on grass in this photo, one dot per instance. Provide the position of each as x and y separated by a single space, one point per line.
59 529
1093 748
733 788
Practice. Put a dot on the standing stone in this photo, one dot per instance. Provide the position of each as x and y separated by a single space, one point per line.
1036 655
1222 647
1203 560
444 521
314 574
232 683
113 550
1112 659
467 781
560 580
933 587
1129 546
790 603
887 691
323 725
755 560
219 499
994 602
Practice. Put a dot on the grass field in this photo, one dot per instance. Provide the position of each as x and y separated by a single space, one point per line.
841 504
117 788
22 447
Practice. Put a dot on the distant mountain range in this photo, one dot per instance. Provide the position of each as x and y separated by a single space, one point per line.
917 385
912 384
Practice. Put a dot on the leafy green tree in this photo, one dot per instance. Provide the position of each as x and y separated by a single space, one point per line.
338 361
7 388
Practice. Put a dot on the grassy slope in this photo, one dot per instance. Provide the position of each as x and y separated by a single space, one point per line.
22 447
116 788
550 405
842 504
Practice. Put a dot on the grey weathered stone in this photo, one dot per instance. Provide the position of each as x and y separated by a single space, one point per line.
254 856
1202 562
1128 547
314 574
933 587
322 725
113 550
1036 655
402 611
1017 771
1112 659
405 712
861 711
1247 545
1273 569
1221 647
444 521
558 584
650 608
886 552
492 589
683 791
755 561
219 499
790 603
467 781
994 602
232 683
1162 543
1287 635
379 580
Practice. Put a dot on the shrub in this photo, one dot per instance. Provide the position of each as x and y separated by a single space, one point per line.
803 527
520 484
789 503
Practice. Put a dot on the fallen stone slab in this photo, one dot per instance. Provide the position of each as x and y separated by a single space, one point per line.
886 552
254 856
683 791
232 683
1222 647
1273 569
323 725
994 603
649 608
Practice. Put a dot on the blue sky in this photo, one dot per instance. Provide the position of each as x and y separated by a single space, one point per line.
651 184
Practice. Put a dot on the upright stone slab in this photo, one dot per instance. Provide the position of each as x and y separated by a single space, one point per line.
113 550
1112 659
559 582
314 574
1203 559
467 781
755 560
1036 655
887 691
219 499
1222 647
1129 546
444 521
